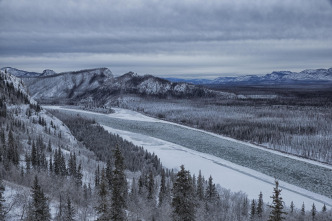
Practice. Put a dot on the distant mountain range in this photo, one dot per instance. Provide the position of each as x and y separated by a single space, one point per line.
317 76
99 85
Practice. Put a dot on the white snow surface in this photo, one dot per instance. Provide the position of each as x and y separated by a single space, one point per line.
227 174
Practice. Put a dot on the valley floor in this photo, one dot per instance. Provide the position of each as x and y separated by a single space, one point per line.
235 165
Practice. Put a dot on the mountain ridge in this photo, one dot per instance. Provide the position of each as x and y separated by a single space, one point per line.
100 85
308 76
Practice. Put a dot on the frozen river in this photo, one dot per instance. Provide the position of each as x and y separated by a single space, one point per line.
234 165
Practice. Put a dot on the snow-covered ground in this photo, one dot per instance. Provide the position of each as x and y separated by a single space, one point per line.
227 174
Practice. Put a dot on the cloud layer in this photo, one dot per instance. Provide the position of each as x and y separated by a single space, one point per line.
207 37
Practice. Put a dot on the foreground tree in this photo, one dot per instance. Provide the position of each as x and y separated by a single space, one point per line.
253 210
183 202
39 209
313 212
119 188
162 192
292 207
69 211
277 206
260 205
2 201
103 202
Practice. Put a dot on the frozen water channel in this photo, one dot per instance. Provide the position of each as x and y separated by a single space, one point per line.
234 165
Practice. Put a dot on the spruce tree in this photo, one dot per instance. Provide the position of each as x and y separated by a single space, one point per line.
162 191
260 205
40 208
109 173
211 192
324 208
150 185
79 176
2 201
69 211
277 206
12 152
253 210
103 202
183 201
245 207
60 214
51 165
27 162
200 181
72 165
292 207
49 146
303 209
97 176
313 211
62 164
34 160
119 188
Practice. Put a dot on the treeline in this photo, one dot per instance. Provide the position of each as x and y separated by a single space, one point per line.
98 140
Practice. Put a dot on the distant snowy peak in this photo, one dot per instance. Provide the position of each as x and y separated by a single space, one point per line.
276 77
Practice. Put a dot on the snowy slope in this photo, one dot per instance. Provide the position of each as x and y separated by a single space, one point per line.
19 73
49 85
18 85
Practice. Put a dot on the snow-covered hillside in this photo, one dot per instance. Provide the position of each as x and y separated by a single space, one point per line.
99 85
17 85
33 126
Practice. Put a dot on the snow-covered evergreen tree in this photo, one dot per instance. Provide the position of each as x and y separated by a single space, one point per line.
260 205
200 188
253 210
39 209
277 206
119 188
2 201
69 211
162 191
183 202
103 202
313 211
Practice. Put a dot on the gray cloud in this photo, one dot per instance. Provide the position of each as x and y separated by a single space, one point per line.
235 29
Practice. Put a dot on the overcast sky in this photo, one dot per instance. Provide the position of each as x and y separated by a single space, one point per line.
204 39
